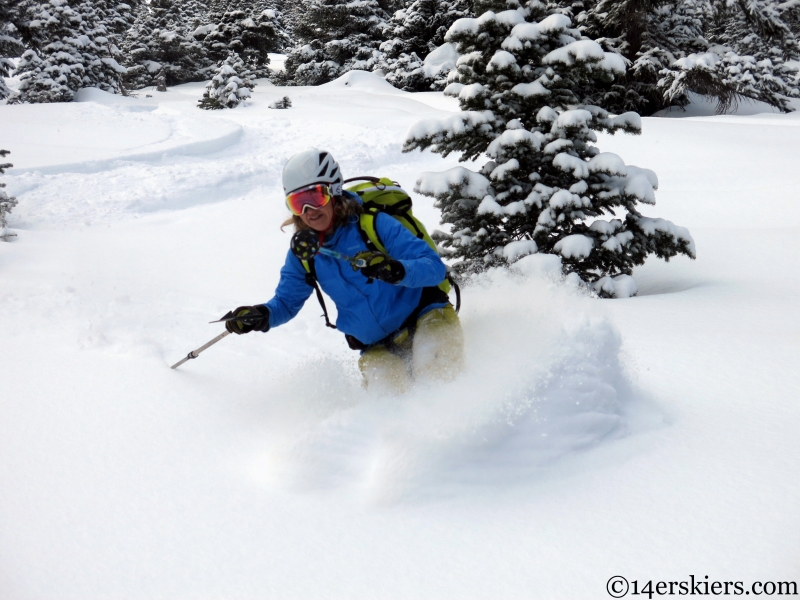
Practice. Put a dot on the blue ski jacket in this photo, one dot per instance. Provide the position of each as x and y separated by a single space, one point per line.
369 312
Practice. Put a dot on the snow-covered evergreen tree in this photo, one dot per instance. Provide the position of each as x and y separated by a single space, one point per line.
52 70
195 13
789 12
105 23
414 32
727 49
73 45
11 45
407 72
273 11
6 202
546 187
250 35
282 104
160 38
335 36
651 35
752 53
231 84
283 39
420 28
161 80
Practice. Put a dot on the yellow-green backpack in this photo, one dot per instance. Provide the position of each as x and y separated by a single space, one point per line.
386 196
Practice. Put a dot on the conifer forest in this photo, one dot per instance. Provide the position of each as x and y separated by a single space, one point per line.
730 50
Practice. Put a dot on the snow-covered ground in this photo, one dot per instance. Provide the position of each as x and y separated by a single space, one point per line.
655 437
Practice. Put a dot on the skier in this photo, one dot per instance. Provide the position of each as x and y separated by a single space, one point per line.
390 308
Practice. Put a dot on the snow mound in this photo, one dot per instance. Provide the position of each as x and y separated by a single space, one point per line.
538 386
363 80
92 94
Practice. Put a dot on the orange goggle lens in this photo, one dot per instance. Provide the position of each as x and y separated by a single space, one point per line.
313 196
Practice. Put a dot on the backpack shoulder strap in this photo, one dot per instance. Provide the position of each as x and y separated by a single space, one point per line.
368 231
311 279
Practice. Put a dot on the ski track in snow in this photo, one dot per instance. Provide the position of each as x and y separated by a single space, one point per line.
205 157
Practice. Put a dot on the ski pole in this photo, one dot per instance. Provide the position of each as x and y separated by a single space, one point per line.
196 353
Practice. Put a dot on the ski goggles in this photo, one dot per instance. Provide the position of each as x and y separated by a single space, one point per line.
312 196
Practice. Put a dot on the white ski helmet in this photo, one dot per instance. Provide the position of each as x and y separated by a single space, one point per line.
309 167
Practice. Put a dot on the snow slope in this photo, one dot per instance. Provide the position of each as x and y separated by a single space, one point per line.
653 437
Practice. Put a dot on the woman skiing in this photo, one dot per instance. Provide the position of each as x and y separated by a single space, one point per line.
390 306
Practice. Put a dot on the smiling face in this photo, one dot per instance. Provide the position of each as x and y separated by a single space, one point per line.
319 219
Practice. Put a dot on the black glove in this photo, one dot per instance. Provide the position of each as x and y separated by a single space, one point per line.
382 267
256 319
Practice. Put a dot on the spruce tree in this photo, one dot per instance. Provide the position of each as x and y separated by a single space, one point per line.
231 84
11 45
414 32
160 38
726 49
650 34
752 53
421 27
6 202
105 23
407 72
161 80
250 35
274 12
195 13
545 187
72 45
281 104
335 36
53 70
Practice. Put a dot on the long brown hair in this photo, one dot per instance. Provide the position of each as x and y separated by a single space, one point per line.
343 209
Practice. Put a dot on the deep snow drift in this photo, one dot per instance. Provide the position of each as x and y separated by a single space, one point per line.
653 437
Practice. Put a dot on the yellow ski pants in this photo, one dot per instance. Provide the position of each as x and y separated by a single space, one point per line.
434 352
